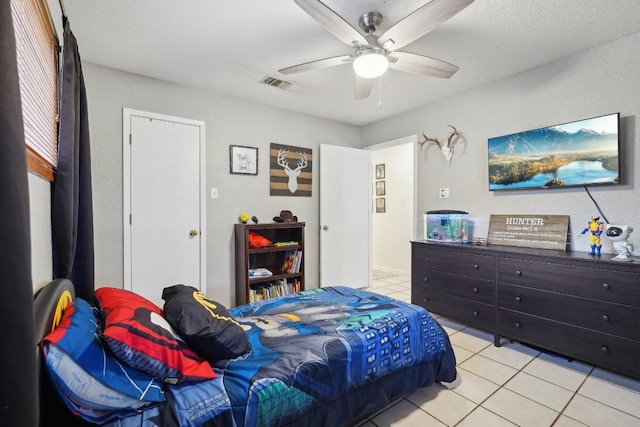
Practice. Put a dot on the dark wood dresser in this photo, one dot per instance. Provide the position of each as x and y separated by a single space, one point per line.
571 303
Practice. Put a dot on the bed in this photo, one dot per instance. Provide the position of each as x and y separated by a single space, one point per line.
327 356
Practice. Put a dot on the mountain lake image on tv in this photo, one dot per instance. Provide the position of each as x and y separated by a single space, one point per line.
580 153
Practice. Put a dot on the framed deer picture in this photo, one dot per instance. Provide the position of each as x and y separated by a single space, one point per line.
290 170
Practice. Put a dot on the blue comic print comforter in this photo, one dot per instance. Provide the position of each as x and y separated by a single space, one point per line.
319 357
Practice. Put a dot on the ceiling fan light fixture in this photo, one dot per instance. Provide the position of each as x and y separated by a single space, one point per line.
370 63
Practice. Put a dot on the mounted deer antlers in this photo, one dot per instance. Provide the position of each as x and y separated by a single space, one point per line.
447 149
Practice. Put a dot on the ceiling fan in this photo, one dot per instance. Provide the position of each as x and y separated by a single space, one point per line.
374 54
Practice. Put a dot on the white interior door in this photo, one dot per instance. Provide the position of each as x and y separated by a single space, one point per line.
345 217
164 219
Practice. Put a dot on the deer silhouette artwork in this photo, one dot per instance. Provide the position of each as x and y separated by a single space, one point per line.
292 173
446 149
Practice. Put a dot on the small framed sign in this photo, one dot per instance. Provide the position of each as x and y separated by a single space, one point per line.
380 188
380 205
380 171
243 160
529 231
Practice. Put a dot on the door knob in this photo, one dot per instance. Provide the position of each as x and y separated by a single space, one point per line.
193 233
325 227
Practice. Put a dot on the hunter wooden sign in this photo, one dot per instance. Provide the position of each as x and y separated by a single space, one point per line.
529 231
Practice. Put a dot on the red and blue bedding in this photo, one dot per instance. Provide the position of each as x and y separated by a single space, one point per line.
320 357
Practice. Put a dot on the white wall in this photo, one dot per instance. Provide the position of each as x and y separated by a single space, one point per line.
596 82
393 230
228 121
40 224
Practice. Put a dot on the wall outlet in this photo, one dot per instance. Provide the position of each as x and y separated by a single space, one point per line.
214 193
444 193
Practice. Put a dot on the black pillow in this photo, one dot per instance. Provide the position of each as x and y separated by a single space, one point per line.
205 325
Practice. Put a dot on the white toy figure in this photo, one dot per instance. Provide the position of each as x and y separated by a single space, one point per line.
619 235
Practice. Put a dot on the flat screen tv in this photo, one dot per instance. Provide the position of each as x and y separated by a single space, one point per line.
574 154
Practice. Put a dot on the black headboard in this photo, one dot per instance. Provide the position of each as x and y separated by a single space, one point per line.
48 305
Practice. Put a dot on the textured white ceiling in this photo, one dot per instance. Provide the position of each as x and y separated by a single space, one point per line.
228 46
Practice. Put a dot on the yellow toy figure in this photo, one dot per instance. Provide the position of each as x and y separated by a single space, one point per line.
244 217
595 227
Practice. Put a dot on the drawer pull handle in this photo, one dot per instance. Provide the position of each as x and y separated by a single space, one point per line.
475 314
519 273
476 266
605 349
426 279
517 325
518 299
606 286
605 317
475 290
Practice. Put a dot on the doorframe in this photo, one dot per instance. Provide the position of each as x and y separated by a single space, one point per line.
127 113
411 139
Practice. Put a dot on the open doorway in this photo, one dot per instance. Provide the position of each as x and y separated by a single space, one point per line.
394 216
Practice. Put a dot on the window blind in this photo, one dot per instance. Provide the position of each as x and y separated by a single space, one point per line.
37 57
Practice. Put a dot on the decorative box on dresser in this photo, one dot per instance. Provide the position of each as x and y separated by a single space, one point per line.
570 303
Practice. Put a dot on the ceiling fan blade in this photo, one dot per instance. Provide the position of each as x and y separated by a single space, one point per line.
420 22
362 87
414 63
315 65
332 22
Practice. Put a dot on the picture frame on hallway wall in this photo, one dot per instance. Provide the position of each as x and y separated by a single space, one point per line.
380 188
380 205
380 171
243 160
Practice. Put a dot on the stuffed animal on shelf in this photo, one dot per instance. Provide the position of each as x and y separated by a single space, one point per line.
595 227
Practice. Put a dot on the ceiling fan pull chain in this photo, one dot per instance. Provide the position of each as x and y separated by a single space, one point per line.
379 92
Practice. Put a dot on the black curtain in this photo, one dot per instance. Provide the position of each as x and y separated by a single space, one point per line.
19 386
72 208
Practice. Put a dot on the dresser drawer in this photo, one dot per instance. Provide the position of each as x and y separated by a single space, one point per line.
453 284
468 264
601 283
472 313
620 320
608 351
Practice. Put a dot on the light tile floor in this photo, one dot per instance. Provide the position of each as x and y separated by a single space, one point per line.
511 385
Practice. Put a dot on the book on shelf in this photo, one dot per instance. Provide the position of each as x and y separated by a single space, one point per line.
292 261
295 286
298 262
277 288
289 262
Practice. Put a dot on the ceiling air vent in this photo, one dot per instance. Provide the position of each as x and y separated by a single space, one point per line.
272 81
